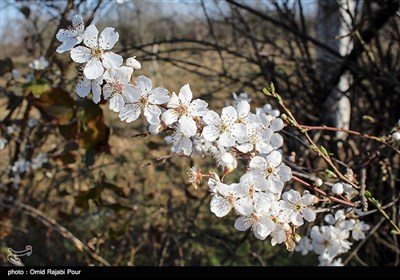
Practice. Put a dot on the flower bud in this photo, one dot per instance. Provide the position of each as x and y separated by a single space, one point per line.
396 136
318 182
133 62
338 188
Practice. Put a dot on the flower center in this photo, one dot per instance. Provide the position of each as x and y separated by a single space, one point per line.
117 88
97 52
297 207
251 191
231 199
182 110
269 170
223 127
143 101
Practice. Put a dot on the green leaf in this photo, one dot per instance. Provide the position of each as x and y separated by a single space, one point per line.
38 88
330 173
323 150
367 194
394 232
266 92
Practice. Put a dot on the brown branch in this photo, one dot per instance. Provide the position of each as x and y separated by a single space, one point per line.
50 222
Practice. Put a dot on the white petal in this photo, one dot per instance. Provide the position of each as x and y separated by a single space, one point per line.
263 148
258 162
81 54
116 103
132 62
226 140
130 113
212 118
198 107
277 124
159 95
123 74
242 223
219 206
244 206
245 148
285 173
90 36
188 126
227 158
152 114
67 45
297 219
308 214
170 116
293 196
243 108
96 90
64 35
144 84
239 130
308 199
93 69
210 133
274 158
131 94
276 186
83 88
173 101
108 38
276 140
229 113
186 146
111 60
185 95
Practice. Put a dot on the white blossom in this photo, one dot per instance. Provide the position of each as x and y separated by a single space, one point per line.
182 109
224 128
85 86
72 36
39 64
143 98
94 54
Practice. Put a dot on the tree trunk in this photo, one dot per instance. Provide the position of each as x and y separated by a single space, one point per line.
333 26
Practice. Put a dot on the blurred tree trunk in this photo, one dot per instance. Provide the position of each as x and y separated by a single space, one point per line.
334 26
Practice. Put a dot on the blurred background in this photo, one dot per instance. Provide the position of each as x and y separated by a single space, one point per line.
100 193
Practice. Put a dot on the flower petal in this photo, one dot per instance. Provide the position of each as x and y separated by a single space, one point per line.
159 95
219 206
108 38
152 114
210 133
242 223
226 140
185 95
116 103
274 159
93 69
111 60
83 88
188 126
130 113
212 118
198 107
90 36
170 116
81 54
96 90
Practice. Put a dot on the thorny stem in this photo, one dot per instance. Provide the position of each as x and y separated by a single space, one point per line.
291 120
316 189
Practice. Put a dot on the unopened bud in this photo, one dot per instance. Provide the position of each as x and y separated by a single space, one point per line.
338 188
133 62
396 136
318 182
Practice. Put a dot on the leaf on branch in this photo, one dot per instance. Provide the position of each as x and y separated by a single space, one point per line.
56 105
39 87
330 173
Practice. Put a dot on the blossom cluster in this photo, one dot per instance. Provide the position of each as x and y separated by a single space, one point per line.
332 239
237 135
